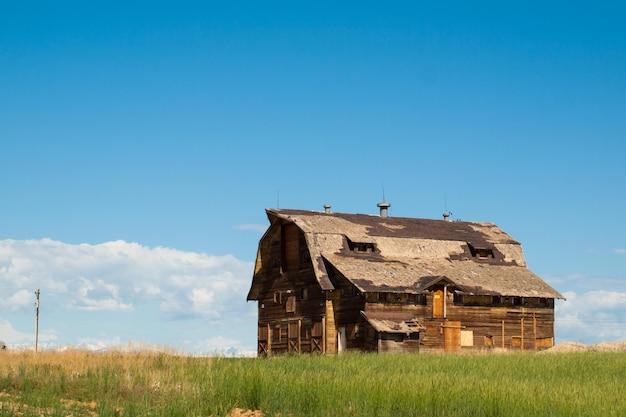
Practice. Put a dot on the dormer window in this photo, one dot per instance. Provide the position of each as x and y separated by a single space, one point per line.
480 253
361 247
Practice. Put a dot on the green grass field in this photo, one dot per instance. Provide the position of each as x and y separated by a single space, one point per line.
163 384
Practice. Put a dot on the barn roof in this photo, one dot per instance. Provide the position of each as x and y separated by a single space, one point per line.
393 322
395 254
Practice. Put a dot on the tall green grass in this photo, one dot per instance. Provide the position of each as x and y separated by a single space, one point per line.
163 384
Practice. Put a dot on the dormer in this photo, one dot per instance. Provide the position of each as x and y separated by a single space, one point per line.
361 247
480 253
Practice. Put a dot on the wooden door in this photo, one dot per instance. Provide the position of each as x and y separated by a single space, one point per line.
317 337
452 336
263 345
438 301
294 336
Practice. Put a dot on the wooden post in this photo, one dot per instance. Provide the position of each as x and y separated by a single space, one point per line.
37 294
445 301
534 330
522 324
324 334
300 336
502 334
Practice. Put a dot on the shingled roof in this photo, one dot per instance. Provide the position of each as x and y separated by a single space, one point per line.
411 254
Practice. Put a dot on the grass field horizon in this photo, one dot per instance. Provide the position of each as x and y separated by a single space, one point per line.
165 383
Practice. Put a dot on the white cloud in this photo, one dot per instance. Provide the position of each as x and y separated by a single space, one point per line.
118 276
19 300
592 317
10 335
619 251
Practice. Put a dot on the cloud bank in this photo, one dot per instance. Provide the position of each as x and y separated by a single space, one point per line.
120 277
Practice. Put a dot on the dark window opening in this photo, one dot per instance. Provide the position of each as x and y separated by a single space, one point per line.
496 300
416 299
361 247
458 299
278 297
480 253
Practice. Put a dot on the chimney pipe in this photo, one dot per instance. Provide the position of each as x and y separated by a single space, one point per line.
327 208
383 208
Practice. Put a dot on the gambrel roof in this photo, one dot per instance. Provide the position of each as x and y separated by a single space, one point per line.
409 255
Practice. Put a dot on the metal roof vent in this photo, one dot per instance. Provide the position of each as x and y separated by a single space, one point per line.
383 208
446 215
327 208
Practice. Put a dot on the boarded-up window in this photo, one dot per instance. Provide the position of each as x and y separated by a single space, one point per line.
467 338
277 297
544 342
290 306
290 238
304 294
516 341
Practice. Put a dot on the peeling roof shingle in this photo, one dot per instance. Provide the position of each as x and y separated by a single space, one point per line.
410 253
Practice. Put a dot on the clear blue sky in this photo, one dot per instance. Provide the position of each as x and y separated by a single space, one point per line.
126 129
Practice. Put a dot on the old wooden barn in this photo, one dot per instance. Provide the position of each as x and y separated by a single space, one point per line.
331 282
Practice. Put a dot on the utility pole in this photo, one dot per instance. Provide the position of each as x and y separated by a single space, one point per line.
37 293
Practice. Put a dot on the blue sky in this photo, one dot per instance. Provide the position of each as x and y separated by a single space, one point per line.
142 142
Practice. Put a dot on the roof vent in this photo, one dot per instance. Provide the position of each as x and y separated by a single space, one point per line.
446 216
327 208
383 208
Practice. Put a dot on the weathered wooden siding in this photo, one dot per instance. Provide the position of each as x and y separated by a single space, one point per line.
295 315
481 327
291 305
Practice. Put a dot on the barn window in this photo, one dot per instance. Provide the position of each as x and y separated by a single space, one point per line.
496 300
290 305
278 297
480 253
361 247
417 299
382 296
304 293
467 338
458 299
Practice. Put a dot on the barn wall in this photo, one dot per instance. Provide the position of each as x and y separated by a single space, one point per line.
291 305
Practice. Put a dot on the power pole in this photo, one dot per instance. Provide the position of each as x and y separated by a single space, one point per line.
37 293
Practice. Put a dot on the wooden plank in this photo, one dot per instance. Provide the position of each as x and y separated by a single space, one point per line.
452 336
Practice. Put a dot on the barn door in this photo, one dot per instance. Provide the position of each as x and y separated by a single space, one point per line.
263 347
317 333
438 301
293 337
452 336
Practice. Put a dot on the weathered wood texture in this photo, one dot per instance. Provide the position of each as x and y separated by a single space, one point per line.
295 315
